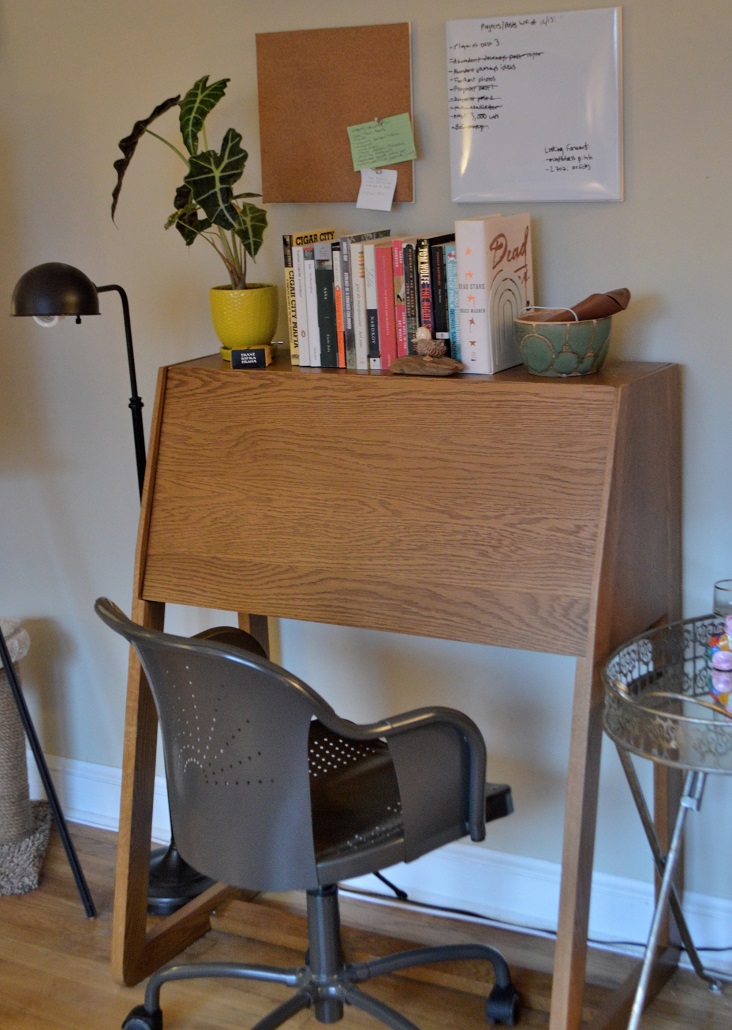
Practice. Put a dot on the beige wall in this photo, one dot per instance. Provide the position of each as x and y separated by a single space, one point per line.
73 77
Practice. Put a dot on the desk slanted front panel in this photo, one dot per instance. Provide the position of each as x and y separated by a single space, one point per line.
469 508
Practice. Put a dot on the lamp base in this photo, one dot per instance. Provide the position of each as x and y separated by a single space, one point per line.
173 883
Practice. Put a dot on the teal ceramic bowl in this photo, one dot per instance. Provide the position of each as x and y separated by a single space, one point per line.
560 349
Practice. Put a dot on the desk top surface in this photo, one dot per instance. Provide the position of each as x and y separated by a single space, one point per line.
613 373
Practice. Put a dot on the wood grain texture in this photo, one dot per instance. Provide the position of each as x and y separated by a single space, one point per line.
504 509
55 962
636 584
471 513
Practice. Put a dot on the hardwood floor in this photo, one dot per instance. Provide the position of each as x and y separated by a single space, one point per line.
54 966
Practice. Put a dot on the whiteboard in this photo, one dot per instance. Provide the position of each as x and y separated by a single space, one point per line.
535 106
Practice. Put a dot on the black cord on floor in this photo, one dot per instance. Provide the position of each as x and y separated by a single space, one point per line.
468 914
402 895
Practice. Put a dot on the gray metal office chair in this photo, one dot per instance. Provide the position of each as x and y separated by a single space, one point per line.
270 790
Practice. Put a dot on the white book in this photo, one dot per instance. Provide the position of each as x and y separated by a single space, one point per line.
495 284
358 286
301 304
311 294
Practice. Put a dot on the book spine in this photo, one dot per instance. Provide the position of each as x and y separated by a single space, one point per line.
323 258
424 280
472 276
386 312
311 294
509 284
359 306
440 323
290 299
301 302
400 306
372 311
452 300
411 298
289 241
349 336
338 302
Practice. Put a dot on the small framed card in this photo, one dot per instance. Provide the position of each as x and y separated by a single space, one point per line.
252 357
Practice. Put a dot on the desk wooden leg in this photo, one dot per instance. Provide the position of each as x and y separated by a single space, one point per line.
258 626
579 844
133 848
580 820
578 848
135 952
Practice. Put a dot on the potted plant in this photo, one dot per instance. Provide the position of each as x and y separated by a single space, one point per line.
206 207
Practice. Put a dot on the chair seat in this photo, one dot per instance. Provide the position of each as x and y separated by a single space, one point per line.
357 814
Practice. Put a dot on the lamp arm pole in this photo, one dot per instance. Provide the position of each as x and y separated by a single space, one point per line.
172 881
135 399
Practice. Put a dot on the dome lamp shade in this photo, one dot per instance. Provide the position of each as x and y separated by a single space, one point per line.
52 290
49 292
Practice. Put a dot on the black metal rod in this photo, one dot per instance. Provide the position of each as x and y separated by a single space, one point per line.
58 816
135 399
172 881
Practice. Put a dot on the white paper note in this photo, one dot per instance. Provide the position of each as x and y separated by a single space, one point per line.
377 188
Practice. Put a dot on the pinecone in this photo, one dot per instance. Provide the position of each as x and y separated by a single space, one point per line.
431 348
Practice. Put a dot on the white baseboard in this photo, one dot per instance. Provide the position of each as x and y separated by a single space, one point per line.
90 794
522 892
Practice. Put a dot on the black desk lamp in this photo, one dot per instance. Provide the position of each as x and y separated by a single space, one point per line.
48 293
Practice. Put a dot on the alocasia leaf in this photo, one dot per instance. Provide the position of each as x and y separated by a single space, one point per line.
211 177
200 99
250 230
186 217
128 145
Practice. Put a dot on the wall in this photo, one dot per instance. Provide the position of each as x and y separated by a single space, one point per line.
73 78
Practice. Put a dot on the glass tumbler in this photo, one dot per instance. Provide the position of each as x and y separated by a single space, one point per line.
723 597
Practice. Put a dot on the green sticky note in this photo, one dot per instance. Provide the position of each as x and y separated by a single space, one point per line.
385 141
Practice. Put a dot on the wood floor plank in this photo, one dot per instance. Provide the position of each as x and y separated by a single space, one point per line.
55 973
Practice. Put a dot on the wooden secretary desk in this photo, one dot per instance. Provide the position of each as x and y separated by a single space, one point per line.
552 512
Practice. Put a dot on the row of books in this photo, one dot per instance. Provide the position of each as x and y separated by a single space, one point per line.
356 301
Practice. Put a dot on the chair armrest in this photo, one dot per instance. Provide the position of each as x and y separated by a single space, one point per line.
498 801
417 724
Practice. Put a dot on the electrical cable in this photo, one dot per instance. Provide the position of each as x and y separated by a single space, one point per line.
403 898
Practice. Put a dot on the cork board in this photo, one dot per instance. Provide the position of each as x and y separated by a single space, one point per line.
312 85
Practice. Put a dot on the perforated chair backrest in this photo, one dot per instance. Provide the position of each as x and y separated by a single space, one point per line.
235 739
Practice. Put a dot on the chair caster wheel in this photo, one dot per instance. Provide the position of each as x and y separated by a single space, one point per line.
140 1019
503 1005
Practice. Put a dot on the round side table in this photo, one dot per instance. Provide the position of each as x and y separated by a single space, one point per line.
659 706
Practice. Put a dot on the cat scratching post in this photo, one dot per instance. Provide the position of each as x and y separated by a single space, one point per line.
24 824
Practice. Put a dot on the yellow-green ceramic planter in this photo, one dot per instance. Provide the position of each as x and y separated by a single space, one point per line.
244 318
